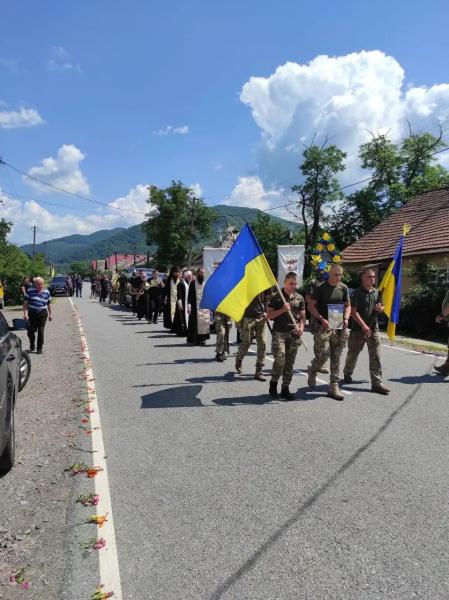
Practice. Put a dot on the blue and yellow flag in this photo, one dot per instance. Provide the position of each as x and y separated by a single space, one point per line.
390 287
243 273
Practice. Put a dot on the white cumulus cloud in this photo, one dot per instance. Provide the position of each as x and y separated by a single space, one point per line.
250 191
345 98
170 130
50 224
196 190
24 117
62 171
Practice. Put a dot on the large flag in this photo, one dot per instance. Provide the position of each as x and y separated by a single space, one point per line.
243 273
390 287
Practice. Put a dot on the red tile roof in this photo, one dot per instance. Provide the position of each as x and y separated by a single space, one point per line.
428 215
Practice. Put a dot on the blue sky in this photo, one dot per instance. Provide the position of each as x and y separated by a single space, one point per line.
93 86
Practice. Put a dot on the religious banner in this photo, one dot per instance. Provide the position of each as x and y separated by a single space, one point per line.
290 258
212 257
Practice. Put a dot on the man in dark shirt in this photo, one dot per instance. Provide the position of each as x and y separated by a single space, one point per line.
286 337
254 322
330 306
365 307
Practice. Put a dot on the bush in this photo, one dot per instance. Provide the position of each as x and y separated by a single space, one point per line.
420 306
14 266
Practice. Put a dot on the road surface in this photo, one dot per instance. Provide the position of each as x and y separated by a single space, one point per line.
219 492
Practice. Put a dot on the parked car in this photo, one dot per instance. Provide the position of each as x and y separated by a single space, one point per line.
57 286
15 368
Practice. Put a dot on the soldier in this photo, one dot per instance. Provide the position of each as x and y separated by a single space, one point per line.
221 324
330 302
253 322
286 337
365 307
444 317
312 321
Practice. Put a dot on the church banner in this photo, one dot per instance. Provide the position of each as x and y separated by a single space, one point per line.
212 257
290 258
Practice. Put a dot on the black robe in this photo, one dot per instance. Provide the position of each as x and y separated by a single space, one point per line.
193 337
178 325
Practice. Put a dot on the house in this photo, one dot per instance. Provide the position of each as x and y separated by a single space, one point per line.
428 240
122 261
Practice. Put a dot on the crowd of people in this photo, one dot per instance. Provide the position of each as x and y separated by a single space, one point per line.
337 320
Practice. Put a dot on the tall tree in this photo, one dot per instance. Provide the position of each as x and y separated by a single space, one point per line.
177 220
398 172
5 229
320 188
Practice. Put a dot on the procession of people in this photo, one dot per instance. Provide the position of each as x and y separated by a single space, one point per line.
337 319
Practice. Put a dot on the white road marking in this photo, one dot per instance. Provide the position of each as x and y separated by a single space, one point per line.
108 557
409 351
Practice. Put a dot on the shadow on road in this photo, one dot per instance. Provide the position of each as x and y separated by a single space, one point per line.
415 379
248 400
278 533
180 397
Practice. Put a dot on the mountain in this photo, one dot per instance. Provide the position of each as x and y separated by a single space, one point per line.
100 244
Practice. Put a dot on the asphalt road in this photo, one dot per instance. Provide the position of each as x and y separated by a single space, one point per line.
218 492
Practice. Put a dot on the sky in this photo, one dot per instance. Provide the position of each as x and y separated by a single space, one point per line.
102 99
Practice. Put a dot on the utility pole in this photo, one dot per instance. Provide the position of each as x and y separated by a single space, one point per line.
134 255
116 266
34 241
45 252
220 236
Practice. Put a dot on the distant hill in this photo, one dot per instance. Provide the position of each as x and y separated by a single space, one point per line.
100 244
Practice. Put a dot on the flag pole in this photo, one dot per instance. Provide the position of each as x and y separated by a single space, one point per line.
292 318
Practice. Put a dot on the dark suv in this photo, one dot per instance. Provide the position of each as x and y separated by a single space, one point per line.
58 286
14 373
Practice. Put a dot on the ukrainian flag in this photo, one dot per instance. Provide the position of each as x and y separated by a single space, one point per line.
390 287
243 273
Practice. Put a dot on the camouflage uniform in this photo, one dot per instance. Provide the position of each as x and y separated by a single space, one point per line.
247 327
221 323
329 344
284 345
364 301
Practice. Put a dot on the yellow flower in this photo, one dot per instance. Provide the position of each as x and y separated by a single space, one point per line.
326 237
320 247
328 268
316 258
331 247
337 259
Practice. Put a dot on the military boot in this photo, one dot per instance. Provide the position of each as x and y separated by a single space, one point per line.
238 366
258 375
219 357
334 392
286 394
379 388
311 377
347 378
443 369
273 391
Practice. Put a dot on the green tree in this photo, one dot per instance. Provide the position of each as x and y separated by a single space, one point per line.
399 172
319 190
270 234
177 221
81 268
5 230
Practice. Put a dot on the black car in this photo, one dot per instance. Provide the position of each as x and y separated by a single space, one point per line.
14 373
58 286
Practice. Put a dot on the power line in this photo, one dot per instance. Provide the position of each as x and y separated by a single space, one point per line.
58 189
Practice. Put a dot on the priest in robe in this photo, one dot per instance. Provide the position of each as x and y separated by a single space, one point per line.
173 292
199 318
